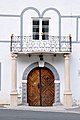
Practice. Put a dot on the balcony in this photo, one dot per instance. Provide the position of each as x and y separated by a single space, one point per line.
54 44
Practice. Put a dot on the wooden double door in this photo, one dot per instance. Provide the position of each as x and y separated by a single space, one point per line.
40 87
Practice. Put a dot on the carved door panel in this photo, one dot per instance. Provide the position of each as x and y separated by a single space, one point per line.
40 86
33 92
47 87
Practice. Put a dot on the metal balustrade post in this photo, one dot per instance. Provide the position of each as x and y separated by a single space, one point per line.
59 43
21 43
70 38
12 36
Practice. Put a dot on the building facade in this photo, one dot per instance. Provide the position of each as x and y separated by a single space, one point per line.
39 53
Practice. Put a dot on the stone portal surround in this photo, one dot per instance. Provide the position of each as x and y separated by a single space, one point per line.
56 76
57 92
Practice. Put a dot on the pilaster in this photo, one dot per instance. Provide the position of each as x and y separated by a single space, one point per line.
67 90
14 93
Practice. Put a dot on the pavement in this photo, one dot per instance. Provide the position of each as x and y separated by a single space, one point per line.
55 108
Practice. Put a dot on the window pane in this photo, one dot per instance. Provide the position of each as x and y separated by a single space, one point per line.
45 37
36 37
45 22
45 29
35 29
35 22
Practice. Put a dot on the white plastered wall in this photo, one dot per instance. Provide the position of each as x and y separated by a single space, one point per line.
11 25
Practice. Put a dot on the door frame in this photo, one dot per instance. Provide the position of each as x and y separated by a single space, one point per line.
56 82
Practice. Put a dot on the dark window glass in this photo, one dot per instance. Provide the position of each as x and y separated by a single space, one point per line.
35 29
36 37
45 37
45 22
45 29
35 22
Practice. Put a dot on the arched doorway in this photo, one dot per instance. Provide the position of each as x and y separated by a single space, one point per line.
40 87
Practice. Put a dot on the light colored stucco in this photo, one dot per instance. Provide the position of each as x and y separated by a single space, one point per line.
68 13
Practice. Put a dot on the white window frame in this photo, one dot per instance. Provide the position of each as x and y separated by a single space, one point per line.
40 26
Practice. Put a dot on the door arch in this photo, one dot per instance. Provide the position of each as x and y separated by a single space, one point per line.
40 87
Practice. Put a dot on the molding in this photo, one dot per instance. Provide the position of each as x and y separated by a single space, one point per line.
5 41
54 9
36 64
28 69
67 16
57 81
21 19
14 56
6 15
47 9
67 56
28 8
77 29
24 81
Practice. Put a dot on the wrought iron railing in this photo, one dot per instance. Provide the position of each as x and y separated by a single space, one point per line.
55 44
